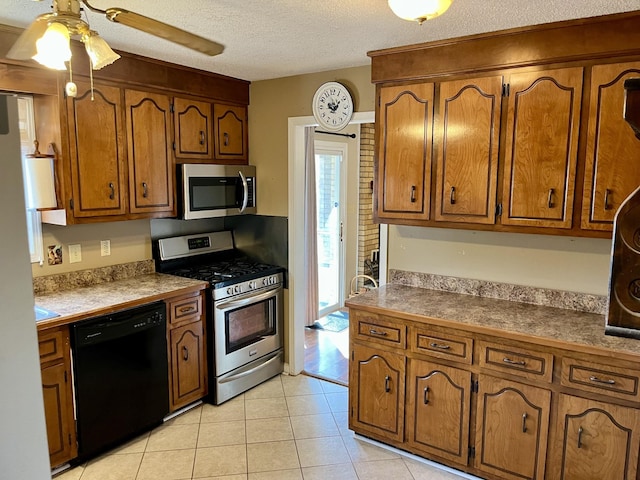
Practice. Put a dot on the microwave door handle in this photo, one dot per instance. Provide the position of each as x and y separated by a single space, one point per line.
245 192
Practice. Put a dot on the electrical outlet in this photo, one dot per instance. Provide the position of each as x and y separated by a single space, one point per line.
75 253
105 248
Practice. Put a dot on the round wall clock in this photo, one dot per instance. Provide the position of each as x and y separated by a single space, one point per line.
332 106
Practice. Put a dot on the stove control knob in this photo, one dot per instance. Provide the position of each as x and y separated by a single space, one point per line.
237 289
230 291
251 285
265 281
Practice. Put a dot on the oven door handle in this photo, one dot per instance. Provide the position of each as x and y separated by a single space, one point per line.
247 299
275 357
245 192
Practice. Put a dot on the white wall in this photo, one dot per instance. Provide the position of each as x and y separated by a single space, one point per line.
23 441
545 261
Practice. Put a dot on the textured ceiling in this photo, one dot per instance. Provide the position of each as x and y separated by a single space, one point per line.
278 38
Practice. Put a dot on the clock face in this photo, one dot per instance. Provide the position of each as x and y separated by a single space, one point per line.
332 106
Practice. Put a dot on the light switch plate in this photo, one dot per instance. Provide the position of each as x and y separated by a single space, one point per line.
105 248
75 253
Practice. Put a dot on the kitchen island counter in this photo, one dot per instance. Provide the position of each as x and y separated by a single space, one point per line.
548 326
90 301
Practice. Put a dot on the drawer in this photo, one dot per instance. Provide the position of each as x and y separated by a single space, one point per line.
600 378
442 345
52 344
185 309
371 327
515 360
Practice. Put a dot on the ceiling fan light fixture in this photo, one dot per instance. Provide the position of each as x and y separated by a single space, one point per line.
419 10
53 48
99 51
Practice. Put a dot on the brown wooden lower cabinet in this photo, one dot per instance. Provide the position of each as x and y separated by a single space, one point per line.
506 409
438 403
511 428
187 350
596 440
57 393
377 401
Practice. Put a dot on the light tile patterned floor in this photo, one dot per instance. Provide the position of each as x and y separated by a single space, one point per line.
289 428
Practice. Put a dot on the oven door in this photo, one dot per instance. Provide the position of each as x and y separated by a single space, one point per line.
247 327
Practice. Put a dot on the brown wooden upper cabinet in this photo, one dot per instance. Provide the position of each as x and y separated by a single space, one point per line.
612 168
151 172
97 148
230 133
541 147
467 140
193 129
405 123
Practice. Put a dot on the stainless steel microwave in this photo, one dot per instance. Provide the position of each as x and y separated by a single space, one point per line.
208 191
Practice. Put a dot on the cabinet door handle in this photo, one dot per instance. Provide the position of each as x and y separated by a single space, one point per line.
387 383
201 137
452 196
441 346
376 332
185 353
599 380
225 136
426 395
580 437
413 194
187 309
550 203
145 190
524 423
521 363
112 195
607 193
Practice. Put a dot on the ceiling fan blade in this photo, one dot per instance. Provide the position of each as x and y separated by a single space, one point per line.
25 46
163 30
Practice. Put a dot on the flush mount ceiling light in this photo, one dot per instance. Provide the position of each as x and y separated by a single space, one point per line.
46 40
419 10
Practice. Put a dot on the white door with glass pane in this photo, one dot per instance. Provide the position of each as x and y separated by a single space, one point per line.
330 203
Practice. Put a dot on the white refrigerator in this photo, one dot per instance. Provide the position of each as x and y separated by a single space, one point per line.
23 437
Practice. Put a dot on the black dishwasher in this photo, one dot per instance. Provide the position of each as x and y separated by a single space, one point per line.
120 376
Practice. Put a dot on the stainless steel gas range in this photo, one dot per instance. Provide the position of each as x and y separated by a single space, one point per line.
244 311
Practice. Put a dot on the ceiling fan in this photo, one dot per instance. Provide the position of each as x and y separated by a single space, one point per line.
67 13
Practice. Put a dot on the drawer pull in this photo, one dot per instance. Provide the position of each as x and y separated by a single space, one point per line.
145 189
387 383
452 196
185 353
201 137
599 380
550 203
524 423
413 194
426 395
520 363
373 331
580 437
187 309
439 345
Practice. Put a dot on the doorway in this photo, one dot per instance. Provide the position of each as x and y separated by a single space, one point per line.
297 243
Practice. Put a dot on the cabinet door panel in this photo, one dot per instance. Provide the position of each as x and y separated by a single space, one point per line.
151 171
97 150
377 404
188 379
541 147
598 441
613 151
438 410
511 428
467 150
56 406
192 121
231 135
404 168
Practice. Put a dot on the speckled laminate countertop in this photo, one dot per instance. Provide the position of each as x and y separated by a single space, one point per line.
90 301
520 321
